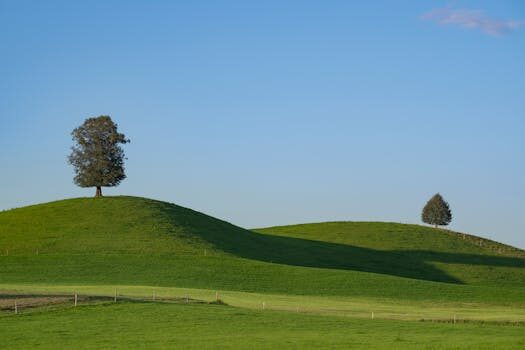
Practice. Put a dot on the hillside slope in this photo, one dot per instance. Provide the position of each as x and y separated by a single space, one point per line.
112 225
415 251
394 236
137 240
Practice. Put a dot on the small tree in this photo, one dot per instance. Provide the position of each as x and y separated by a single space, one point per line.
97 156
436 212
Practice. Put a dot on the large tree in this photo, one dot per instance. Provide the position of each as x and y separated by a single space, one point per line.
437 212
97 156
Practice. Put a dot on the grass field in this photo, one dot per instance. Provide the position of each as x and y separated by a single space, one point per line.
336 273
234 274
153 325
363 307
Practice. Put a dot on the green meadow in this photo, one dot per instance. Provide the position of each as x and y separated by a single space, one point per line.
144 325
335 284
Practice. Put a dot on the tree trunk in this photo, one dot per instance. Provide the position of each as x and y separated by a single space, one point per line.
99 192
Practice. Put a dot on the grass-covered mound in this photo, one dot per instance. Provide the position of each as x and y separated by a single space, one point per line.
112 225
137 241
414 251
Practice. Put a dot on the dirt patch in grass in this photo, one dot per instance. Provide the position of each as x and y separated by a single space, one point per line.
7 302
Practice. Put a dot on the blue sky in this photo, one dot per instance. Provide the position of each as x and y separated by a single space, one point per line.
275 112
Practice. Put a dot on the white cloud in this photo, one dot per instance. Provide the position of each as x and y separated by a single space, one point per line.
471 19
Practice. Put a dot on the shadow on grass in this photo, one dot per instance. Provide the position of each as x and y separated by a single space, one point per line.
309 253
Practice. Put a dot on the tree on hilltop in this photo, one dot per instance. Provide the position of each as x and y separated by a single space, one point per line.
97 156
436 212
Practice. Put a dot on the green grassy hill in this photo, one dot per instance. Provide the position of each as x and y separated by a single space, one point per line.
279 283
112 225
415 251
137 241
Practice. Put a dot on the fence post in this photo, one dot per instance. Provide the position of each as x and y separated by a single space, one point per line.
115 299
16 308
76 299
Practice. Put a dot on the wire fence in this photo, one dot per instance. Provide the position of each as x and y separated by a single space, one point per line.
14 304
22 303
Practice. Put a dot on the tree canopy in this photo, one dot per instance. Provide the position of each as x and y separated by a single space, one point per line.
437 211
97 156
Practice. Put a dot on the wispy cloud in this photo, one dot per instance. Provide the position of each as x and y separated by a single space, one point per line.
471 19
